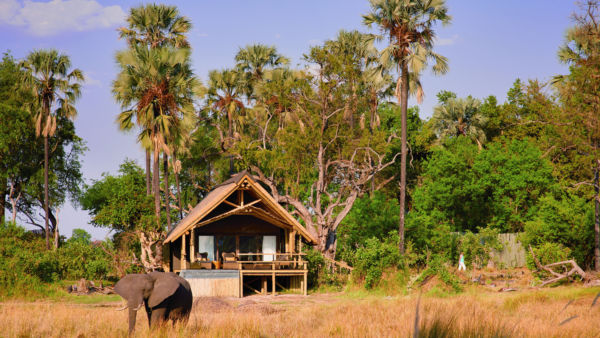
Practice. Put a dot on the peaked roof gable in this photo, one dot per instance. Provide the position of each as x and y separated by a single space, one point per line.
221 192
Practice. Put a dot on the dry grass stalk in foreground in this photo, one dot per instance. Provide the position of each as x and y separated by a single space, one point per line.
533 314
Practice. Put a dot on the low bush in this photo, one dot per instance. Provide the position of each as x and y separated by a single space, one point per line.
437 267
547 253
371 260
477 246
319 274
27 269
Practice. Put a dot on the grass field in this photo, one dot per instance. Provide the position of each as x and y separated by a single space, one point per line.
475 313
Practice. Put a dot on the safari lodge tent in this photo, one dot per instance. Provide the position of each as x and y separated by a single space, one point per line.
238 240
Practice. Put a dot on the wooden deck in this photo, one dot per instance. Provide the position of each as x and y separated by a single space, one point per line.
232 283
231 278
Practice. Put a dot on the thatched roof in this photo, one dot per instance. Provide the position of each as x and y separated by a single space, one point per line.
221 192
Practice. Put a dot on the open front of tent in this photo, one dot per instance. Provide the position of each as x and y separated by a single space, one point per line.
238 240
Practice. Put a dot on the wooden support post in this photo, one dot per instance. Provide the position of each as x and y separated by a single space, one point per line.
286 234
273 282
192 247
305 291
183 255
292 240
237 247
241 284
263 288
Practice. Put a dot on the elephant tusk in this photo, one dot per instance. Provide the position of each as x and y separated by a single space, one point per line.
123 308
139 306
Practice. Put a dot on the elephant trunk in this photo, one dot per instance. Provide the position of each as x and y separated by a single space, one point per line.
132 315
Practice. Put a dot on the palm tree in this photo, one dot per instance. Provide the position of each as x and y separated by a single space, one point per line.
256 59
161 84
357 53
49 77
457 117
225 89
154 26
408 25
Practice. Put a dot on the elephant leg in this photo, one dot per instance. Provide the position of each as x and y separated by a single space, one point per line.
148 313
158 317
132 316
179 315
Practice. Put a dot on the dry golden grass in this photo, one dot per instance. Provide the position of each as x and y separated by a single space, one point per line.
472 314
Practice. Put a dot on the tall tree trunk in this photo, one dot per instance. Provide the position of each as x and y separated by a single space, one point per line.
3 194
167 197
56 234
230 136
327 242
597 219
46 191
156 183
176 171
208 175
13 201
403 108
148 173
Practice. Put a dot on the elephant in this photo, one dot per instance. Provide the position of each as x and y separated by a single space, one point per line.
164 295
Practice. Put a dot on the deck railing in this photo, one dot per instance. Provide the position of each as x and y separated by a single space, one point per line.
280 261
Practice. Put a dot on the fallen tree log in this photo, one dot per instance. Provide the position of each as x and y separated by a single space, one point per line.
575 270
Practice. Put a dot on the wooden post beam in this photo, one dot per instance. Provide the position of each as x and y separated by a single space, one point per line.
192 247
183 253
305 291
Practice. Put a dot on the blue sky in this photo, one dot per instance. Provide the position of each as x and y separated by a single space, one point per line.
489 44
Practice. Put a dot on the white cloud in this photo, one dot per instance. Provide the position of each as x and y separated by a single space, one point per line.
57 16
446 41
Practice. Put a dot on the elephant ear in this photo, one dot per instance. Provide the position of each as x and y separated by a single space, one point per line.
164 286
134 288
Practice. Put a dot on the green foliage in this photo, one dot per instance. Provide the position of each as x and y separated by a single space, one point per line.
373 216
120 202
436 267
22 152
80 258
27 269
25 266
375 256
548 253
562 223
318 273
465 188
477 246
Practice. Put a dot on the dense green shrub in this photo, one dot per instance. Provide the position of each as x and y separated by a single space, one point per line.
25 266
372 259
28 269
477 246
372 216
80 258
465 188
561 223
436 267
547 253
319 273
